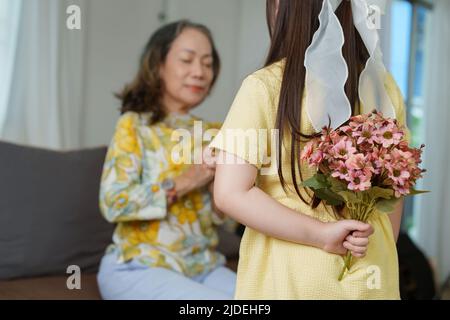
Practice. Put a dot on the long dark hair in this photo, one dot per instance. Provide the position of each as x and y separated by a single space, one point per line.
291 31
144 93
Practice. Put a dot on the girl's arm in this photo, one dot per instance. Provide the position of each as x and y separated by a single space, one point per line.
236 195
396 218
214 207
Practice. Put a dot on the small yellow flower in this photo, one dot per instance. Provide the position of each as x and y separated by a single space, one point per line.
130 251
125 137
176 246
188 204
121 200
132 237
122 175
161 261
124 162
126 122
195 249
155 188
152 231
182 216
173 169
175 208
128 143
147 231
155 143
197 200
198 268
187 215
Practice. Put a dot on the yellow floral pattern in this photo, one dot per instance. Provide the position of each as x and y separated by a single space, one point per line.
180 237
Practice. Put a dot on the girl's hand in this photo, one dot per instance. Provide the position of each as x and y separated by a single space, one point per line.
346 235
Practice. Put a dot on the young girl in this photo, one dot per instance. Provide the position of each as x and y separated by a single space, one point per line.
293 245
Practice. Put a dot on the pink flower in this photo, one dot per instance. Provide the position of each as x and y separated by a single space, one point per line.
335 137
400 155
308 150
360 162
358 120
316 158
366 133
367 151
399 174
400 191
340 170
380 157
359 181
388 135
346 129
343 149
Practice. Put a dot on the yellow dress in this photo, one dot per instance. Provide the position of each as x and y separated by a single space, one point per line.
270 268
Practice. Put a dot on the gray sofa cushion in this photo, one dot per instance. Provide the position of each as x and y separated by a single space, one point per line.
49 213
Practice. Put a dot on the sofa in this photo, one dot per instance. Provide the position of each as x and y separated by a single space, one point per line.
50 220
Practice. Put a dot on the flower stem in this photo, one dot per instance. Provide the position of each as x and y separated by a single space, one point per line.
347 262
361 211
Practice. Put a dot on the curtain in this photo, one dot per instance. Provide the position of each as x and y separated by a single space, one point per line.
433 216
9 22
45 103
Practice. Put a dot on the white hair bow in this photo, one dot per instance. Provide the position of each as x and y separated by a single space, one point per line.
327 72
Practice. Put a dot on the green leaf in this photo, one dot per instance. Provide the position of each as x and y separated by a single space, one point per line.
318 181
336 184
414 192
377 192
349 196
330 198
386 205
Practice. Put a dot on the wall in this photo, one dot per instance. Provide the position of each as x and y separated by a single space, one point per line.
117 30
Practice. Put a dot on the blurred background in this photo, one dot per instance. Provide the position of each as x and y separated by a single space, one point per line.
57 84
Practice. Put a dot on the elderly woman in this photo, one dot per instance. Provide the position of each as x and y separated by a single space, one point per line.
165 241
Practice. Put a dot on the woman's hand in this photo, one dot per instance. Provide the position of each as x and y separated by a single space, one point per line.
346 235
209 158
197 176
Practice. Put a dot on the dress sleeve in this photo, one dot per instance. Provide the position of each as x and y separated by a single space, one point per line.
124 195
245 132
399 105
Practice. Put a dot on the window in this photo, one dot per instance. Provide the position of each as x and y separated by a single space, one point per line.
9 22
409 25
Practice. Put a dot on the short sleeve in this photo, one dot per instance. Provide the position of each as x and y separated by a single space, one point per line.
399 105
245 132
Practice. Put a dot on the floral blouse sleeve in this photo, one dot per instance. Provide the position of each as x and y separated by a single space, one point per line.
124 195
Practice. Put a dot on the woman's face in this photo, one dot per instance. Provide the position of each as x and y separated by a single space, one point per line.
187 73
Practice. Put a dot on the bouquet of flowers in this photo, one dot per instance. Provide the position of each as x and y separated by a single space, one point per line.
365 164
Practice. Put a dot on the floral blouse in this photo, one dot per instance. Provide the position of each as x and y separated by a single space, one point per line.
182 236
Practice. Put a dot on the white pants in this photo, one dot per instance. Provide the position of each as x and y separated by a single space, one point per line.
136 281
